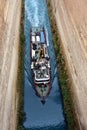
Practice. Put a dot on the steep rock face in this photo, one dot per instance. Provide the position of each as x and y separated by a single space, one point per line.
71 18
9 39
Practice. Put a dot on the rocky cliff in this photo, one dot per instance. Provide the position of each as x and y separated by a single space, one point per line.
71 18
10 11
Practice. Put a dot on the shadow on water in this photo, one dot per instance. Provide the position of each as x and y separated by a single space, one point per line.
49 116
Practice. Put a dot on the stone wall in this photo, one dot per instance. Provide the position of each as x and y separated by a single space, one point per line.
10 12
71 19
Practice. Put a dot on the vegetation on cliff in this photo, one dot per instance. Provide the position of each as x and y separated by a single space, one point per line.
62 72
20 81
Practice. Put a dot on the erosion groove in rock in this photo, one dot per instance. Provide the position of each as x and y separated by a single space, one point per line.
9 39
71 20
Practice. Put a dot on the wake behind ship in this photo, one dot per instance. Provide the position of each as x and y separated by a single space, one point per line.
40 62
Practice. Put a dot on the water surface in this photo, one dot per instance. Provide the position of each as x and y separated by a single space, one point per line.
49 116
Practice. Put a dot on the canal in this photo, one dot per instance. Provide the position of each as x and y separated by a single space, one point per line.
49 116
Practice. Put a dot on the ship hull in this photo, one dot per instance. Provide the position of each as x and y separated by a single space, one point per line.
40 63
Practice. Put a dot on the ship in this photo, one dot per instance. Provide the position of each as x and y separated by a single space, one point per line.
40 62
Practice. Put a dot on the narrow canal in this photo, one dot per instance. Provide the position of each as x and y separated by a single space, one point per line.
49 116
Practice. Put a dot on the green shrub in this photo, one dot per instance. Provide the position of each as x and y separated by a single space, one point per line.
20 79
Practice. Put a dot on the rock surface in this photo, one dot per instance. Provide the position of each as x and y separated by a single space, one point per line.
71 18
10 11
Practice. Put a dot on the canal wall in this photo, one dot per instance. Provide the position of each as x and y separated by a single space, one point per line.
10 12
71 19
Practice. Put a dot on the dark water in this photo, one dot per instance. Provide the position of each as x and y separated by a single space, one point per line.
38 116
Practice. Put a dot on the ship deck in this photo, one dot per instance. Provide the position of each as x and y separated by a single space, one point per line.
40 58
